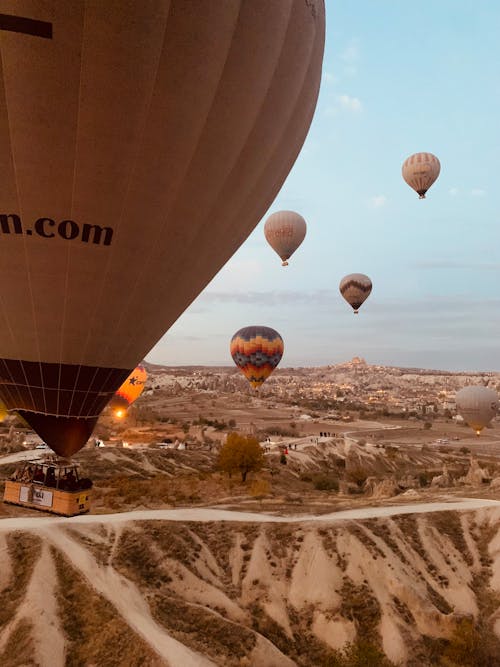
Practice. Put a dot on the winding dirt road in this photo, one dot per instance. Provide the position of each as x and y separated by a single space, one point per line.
207 514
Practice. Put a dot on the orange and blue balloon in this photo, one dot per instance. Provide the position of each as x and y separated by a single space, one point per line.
256 350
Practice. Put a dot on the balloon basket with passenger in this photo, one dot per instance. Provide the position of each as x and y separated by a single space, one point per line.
52 485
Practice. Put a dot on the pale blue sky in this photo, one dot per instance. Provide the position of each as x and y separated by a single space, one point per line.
398 78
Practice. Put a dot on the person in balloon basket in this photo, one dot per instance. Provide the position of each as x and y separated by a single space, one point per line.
68 481
39 477
27 474
50 477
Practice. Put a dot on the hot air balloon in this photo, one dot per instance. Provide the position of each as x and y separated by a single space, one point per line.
477 405
285 231
420 171
129 392
256 351
355 288
140 144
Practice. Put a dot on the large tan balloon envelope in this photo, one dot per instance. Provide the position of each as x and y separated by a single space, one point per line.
477 405
285 231
140 143
420 171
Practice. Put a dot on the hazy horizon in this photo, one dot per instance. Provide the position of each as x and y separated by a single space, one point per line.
282 367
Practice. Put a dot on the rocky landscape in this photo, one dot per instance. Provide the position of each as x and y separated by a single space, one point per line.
371 542
423 588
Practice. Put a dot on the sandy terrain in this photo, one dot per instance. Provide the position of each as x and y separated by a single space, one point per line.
212 587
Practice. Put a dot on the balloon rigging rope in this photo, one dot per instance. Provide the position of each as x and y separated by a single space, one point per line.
174 200
68 245
33 312
159 232
107 267
244 207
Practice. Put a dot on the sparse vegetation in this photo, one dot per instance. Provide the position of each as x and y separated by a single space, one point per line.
84 614
326 483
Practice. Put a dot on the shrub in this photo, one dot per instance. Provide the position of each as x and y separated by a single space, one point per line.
424 479
326 483
260 489
357 475
364 654
465 647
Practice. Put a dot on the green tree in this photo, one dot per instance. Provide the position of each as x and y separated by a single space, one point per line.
242 454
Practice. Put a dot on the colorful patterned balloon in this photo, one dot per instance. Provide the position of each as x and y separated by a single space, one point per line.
129 392
256 351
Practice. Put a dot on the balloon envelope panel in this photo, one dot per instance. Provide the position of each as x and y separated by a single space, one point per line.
477 405
134 163
256 350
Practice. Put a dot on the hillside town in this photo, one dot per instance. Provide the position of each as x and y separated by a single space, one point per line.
353 388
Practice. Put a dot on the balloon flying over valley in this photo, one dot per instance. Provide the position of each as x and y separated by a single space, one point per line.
114 223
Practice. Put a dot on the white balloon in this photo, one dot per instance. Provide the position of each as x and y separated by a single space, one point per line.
477 405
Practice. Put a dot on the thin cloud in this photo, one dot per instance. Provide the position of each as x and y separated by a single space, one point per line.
350 54
477 192
378 201
269 298
450 264
350 103
350 57
329 78
453 192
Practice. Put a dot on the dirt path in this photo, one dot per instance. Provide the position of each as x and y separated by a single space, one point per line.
25 455
207 514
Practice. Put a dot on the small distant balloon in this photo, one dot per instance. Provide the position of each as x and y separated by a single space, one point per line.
285 231
355 288
129 392
256 350
420 171
477 405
